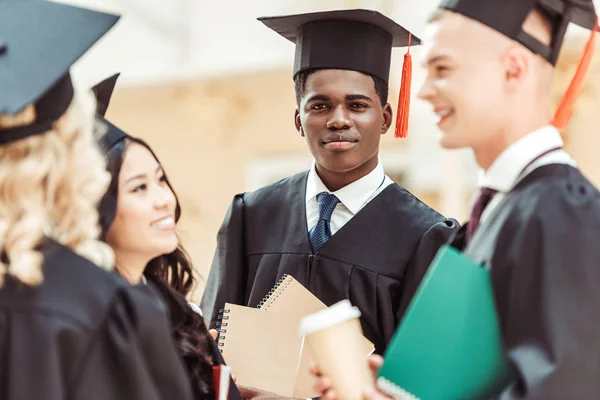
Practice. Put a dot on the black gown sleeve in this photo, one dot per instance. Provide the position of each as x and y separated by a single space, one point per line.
228 275
132 355
439 234
546 275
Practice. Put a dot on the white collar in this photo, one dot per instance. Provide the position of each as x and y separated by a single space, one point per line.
505 171
353 196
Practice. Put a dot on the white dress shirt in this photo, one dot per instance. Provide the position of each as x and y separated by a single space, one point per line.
507 170
353 197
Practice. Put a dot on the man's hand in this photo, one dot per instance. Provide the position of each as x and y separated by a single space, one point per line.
324 385
249 393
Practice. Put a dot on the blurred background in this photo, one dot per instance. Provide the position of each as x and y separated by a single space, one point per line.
210 88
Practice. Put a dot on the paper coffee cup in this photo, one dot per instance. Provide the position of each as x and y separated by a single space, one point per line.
336 340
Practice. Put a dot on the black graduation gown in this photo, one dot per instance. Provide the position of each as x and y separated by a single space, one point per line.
542 244
376 260
85 334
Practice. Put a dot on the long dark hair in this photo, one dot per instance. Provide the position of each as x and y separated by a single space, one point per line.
172 274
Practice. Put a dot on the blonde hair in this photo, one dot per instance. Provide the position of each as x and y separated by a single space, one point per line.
50 185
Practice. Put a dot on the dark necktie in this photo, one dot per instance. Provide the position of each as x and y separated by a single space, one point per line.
482 201
321 232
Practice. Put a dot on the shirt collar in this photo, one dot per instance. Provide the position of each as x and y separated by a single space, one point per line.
353 196
504 172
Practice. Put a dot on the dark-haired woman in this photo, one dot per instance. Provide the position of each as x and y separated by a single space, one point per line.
138 218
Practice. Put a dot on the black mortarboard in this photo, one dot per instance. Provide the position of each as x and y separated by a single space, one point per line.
508 17
39 42
103 92
358 40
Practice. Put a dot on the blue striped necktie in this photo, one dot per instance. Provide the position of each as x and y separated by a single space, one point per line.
321 232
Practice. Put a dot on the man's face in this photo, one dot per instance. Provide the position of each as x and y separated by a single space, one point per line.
464 81
342 118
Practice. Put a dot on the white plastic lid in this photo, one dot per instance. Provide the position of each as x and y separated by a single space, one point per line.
337 313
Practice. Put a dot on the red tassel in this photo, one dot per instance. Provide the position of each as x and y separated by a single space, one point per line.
565 109
404 96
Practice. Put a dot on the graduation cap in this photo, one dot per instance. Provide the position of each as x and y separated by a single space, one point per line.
103 92
508 17
359 40
39 41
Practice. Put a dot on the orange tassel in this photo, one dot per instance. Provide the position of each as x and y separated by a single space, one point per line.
565 109
404 96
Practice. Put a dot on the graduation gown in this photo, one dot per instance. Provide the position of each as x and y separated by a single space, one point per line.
376 260
84 333
542 244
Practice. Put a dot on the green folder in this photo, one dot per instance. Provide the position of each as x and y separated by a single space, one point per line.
448 346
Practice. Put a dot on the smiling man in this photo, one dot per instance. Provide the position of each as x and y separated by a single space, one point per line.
343 229
536 221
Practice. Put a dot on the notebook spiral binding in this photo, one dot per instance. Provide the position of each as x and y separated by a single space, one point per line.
278 288
394 390
220 327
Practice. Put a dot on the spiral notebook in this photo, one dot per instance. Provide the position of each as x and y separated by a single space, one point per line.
262 348
291 297
262 344
288 295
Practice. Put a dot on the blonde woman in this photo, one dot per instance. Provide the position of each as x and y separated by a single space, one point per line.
69 328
